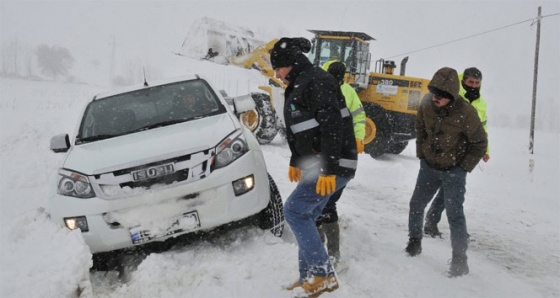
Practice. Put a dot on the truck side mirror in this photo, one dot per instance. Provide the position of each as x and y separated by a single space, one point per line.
243 104
60 143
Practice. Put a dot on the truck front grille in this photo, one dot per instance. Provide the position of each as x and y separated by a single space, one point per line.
186 168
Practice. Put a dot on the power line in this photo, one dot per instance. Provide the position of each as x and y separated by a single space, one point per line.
474 35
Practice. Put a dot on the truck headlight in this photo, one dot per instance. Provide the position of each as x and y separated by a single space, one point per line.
78 222
230 149
243 185
73 184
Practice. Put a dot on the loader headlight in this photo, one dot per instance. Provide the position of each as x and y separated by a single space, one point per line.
73 184
230 149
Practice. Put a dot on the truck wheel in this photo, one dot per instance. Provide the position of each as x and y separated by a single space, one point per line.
262 120
272 217
378 130
397 147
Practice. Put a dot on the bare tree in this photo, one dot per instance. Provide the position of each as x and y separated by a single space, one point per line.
17 58
10 57
54 60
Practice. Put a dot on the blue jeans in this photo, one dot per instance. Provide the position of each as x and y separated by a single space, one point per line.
329 214
301 210
452 183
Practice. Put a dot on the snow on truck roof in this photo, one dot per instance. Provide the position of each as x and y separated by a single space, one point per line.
153 83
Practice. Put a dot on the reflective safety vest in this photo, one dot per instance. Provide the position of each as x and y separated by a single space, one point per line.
479 104
325 66
356 109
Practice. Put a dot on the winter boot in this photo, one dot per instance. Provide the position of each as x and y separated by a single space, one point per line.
296 284
414 247
432 231
458 266
316 285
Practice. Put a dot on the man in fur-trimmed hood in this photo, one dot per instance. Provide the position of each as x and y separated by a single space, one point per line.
469 89
450 142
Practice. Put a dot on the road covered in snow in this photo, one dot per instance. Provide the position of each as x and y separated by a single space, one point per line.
512 217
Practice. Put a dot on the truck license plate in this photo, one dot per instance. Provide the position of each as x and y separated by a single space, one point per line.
187 222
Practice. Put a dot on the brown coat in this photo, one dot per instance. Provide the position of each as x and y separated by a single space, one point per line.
451 135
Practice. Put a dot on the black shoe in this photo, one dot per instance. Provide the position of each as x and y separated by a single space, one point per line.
458 266
414 247
432 231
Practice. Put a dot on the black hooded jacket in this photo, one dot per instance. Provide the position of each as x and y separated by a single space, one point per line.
318 124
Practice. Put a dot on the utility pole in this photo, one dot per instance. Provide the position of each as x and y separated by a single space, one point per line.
112 65
534 101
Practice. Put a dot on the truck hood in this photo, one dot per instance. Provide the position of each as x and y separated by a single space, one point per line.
149 146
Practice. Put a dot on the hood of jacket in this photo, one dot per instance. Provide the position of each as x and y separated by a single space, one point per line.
446 79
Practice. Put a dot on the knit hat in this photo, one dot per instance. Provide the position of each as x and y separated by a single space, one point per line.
286 50
337 70
472 72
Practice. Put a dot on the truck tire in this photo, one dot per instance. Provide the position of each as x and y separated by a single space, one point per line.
378 130
262 120
272 217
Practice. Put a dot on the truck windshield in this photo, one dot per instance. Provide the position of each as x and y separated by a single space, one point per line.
147 108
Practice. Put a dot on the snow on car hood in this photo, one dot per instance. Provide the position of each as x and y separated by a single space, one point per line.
149 146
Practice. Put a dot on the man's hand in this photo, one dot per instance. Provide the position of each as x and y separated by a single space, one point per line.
294 174
359 146
486 157
325 185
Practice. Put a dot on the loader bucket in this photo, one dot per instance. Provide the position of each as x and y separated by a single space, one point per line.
227 41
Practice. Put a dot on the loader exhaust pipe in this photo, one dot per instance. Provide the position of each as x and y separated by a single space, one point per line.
403 65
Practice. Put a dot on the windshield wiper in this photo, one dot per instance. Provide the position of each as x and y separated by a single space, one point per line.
159 124
95 138
107 136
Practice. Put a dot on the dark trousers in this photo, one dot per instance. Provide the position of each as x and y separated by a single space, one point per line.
433 216
452 183
329 229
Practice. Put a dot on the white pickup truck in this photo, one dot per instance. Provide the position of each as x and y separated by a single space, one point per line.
146 164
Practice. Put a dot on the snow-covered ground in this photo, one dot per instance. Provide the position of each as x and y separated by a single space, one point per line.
513 215
513 218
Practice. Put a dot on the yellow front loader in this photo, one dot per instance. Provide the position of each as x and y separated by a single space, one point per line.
390 100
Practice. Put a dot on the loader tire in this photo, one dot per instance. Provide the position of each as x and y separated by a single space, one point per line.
378 130
262 120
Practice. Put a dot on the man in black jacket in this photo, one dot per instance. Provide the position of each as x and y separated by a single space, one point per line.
321 139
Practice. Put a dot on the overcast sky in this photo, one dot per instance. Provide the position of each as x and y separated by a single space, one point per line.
144 30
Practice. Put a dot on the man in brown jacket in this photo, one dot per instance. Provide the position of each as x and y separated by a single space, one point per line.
450 141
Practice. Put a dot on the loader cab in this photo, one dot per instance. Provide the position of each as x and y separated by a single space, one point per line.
351 48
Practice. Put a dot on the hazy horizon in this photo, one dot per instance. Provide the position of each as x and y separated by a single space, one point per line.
120 34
